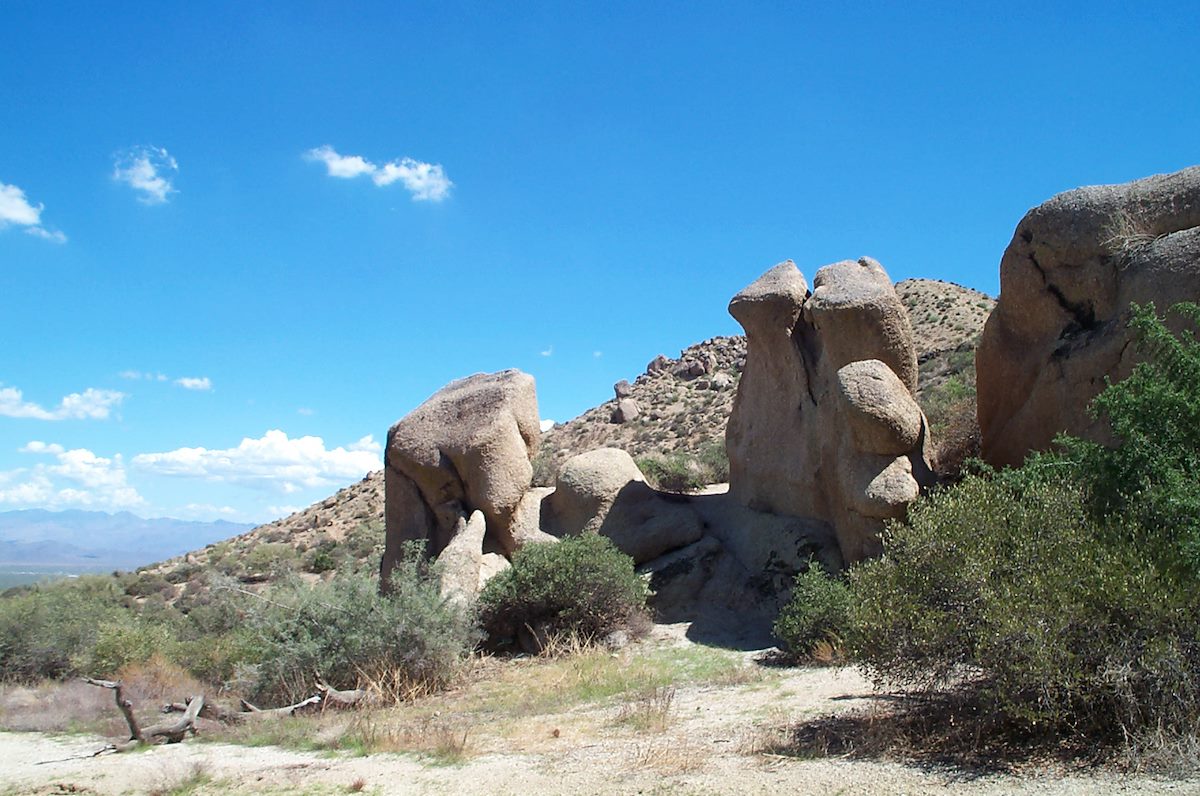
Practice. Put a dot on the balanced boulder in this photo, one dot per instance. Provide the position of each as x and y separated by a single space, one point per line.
1058 332
467 448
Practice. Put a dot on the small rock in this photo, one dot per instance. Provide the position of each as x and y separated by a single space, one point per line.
616 640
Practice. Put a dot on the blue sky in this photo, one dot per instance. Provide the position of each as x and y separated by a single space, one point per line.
238 241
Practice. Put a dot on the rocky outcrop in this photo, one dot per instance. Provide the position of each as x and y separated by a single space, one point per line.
1066 281
824 424
467 448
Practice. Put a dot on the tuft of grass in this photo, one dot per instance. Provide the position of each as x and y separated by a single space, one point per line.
650 711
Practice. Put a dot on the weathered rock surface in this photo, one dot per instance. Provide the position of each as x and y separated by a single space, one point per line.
467 448
462 560
627 411
824 424
1066 281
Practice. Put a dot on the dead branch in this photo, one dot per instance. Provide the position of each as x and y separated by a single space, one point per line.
211 710
334 698
172 731
125 706
251 712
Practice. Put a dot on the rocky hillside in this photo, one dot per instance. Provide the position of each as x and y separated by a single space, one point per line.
675 407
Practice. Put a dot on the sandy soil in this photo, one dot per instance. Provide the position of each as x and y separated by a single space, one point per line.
715 741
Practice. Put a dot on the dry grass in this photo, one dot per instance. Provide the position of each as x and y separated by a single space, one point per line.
650 712
669 756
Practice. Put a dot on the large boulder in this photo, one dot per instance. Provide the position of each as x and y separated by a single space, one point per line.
1058 331
824 424
467 448
603 491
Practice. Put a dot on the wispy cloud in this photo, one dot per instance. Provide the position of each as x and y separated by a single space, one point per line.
546 425
194 383
16 210
137 375
427 182
91 404
79 478
148 171
272 461
597 354
547 352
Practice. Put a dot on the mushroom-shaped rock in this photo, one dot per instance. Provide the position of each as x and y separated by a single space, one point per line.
1058 332
824 407
468 447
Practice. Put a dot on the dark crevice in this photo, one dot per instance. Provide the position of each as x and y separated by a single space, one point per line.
1083 314
804 337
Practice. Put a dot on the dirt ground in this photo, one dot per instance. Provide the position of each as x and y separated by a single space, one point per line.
704 738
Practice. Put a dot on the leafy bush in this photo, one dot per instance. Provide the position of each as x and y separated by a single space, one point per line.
1065 592
684 472
1150 476
581 586
344 630
51 630
818 612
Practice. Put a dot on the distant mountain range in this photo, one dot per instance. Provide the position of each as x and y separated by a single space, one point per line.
96 539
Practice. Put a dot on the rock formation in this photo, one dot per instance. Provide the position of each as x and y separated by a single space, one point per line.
824 423
467 448
1066 281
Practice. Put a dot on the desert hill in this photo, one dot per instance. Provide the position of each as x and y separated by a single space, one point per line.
682 406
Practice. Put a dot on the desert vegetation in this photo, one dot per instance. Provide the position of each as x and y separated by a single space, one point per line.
1054 603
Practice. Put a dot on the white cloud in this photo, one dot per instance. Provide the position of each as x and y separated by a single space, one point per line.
137 375
272 461
427 182
41 447
103 481
147 170
91 404
194 383
304 410
547 425
15 209
344 166
548 352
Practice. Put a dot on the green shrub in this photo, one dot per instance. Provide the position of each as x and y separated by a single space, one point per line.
683 472
818 613
1064 593
582 585
1150 476
50 630
344 630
